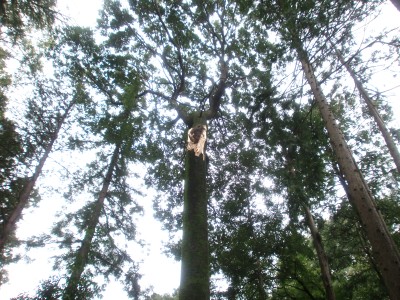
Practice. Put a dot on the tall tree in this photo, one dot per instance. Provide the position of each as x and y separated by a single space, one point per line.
194 43
321 254
305 176
11 152
294 135
384 249
113 125
82 255
16 19
37 115
372 110
39 124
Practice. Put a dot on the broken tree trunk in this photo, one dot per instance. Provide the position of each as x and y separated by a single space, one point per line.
194 283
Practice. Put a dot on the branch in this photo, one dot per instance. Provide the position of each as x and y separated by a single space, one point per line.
172 100
182 74
216 95
151 92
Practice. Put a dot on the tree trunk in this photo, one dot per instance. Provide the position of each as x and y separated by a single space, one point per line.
23 198
366 245
322 258
396 3
194 283
384 249
81 258
262 294
374 112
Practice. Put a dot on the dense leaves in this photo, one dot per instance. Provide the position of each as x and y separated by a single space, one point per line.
120 100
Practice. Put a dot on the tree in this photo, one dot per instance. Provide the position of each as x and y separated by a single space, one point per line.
246 242
10 157
384 249
294 136
111 125
71 290
47 110
298 274
354 264
43 117
299 133
189 40
17 17
196 93
373 111
306 179
321 254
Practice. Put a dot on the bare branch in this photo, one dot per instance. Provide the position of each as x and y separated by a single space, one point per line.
180 87
218 92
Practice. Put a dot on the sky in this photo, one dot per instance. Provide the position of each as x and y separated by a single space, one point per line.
159 271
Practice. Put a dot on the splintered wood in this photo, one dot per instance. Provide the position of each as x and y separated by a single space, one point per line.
197 139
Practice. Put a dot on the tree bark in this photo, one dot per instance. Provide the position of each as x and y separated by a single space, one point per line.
81 258
374 112
194 283
366 245
23 198
322 258
195 274
384 249
396 3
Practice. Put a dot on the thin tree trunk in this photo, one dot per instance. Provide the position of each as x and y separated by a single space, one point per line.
384 249
396 3
194 283
262 294
322 258
23 198
374 112
82 255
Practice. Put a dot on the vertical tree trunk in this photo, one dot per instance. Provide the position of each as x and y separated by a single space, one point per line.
81 258
374 112
262 294
194 283
23 198
384 249
322 258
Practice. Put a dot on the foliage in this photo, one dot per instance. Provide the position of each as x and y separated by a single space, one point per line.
18 17
52 289
139 78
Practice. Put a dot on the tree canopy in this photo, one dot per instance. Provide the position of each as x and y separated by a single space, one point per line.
257 130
